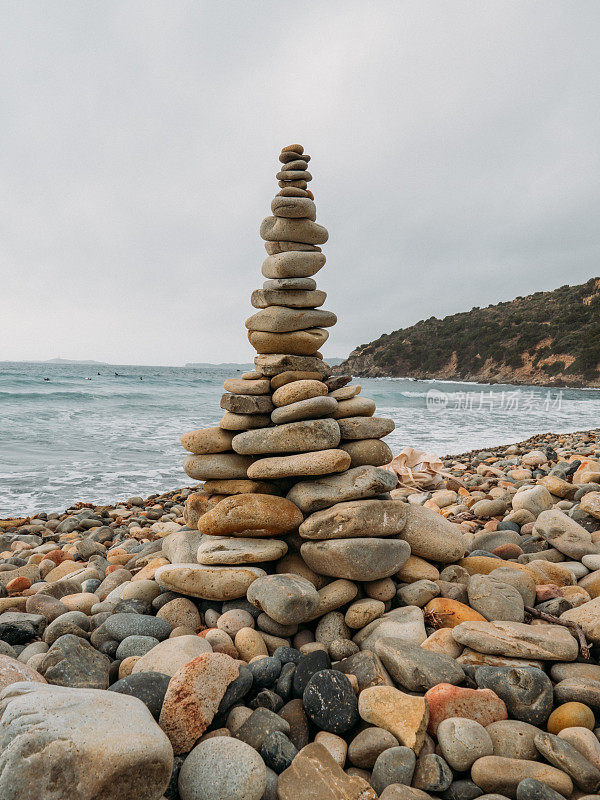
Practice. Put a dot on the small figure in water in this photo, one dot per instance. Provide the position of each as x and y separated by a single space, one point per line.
46 379
141 378
117 375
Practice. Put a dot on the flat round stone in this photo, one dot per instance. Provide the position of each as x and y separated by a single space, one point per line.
360 559
320 462
294 207
364 427
207 582
355 518
301 343
355 407
207 441
230 421
311 408
371 452
217 466
242 386
281 319
290 285
298 390
293 264
294 437
262 298
355 484
266 514
228 550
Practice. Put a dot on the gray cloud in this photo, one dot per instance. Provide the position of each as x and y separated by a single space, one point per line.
455 162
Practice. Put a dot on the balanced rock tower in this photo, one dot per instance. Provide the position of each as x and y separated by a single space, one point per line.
293 493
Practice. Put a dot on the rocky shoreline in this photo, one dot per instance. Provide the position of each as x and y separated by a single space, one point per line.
470 671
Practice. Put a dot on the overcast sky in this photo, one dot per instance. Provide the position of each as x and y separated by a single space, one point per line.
455 153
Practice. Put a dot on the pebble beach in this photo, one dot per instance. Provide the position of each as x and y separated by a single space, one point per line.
444 679
303 621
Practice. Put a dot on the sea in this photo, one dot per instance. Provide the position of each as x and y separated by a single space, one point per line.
100 433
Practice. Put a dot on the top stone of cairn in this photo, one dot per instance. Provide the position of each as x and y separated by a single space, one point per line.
292 437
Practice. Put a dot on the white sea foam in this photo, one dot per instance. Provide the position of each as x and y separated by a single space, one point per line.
110 437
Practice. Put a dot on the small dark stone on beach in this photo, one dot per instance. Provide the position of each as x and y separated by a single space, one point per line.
149 687
330 702
277 751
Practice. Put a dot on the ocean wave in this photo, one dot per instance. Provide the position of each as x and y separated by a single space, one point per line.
87 396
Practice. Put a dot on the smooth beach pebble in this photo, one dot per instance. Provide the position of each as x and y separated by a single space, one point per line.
571 715
222 768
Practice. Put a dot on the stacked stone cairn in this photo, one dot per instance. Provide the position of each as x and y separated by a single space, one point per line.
293 468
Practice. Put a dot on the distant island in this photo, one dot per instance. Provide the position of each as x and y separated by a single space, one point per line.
547 339
74 361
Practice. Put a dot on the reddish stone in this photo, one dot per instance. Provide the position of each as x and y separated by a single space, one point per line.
445 700
193 697
547 591
58 556
18 585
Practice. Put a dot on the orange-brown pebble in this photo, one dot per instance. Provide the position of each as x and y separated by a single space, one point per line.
112 568
450 613
58 556
18 585
508 550
571 715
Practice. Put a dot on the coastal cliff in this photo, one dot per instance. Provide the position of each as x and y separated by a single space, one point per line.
547 338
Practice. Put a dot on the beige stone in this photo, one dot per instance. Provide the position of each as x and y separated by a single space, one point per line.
590 503
503 775
216 467
355 407
320 462
362 427
291 376
237 550
239 486
588 616
294 437
293 264
403 715
518 640
250 644
208 440
364 452
302 343
169 656
243 422
207 582
242 386
315 775
296 391
281 229
313 408
431 536
281 319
